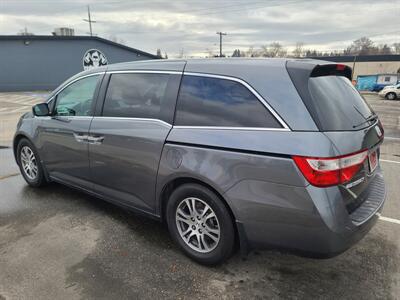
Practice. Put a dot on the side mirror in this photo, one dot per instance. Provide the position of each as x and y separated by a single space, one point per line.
41 110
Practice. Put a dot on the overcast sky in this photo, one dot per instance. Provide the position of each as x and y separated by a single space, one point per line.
192 25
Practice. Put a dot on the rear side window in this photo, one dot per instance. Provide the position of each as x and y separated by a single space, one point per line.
206 101
337 104
136 95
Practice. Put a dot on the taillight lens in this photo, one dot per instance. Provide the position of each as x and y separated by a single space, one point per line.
330 171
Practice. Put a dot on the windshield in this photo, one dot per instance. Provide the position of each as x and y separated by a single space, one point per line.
337 104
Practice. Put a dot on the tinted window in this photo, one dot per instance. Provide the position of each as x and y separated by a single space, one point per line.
205 101
77 98
337 104
135 95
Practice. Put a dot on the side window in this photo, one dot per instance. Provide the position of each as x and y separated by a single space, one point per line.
136 95
77 98
205 101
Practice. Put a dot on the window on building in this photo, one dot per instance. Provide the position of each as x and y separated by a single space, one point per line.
135 95
205 101
387 79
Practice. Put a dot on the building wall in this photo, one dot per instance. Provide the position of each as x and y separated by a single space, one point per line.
44 64
374 67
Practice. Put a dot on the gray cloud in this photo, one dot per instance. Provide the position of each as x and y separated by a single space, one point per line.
191 25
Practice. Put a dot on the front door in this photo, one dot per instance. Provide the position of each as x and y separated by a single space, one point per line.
126 140
64 136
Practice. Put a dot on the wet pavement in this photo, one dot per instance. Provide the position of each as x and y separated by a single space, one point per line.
58 243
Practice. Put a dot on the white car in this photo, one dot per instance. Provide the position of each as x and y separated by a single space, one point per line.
391 92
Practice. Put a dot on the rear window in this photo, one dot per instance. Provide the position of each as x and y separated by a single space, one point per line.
205 101
337 105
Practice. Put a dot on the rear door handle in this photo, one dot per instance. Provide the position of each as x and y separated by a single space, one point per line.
95 140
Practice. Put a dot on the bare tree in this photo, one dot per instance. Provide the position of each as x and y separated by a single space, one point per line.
251 52
362 46
277 50
159 55
298 50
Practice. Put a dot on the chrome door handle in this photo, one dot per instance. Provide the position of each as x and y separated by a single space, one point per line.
80 137
95 140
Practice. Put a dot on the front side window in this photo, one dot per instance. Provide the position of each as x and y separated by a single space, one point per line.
136 95
76 99
207 101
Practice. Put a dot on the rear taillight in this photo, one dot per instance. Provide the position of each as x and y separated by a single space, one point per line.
330 171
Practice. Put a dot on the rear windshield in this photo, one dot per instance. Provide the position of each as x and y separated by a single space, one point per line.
337 105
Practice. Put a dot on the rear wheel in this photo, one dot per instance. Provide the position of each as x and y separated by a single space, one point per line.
29 164
200 224
390 96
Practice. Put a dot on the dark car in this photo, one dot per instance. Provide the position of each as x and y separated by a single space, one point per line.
256 152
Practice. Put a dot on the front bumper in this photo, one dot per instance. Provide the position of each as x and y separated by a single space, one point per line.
309 220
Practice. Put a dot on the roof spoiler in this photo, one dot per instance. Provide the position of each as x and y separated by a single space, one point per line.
331 70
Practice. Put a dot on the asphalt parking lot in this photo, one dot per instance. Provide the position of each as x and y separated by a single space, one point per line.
57 243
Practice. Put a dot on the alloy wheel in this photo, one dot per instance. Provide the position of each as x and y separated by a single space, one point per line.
390 96
198 225
29 163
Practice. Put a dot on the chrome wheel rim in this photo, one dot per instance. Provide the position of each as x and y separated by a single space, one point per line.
28 163
198 225
391 97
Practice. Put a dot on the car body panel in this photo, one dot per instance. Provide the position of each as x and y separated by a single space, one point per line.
124 166
62 150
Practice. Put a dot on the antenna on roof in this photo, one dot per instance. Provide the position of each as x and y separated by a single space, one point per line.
89 20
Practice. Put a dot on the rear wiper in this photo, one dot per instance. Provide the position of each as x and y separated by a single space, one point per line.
372 117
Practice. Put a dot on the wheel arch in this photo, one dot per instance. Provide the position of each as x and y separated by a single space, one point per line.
174 183
17 138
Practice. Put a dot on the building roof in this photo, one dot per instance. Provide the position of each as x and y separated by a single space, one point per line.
360 58
73 38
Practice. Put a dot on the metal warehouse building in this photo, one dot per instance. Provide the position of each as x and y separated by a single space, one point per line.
35 62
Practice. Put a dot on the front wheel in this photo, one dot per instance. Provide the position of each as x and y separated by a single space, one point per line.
390 96
29 164
200 224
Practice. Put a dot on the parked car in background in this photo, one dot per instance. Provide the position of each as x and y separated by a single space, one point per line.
390 92
255 152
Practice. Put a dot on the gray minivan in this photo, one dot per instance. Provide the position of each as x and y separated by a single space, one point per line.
279 153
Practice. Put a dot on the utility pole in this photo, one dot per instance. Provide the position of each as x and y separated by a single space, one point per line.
89 20
220 41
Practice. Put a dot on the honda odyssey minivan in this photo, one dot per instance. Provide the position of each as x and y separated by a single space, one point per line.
280 153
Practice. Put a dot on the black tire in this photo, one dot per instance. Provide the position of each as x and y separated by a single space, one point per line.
224 247
38 180
391 96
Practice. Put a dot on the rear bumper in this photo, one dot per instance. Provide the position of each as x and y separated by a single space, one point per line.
322 229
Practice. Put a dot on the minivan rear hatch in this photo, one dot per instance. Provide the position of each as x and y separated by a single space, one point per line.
342 114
